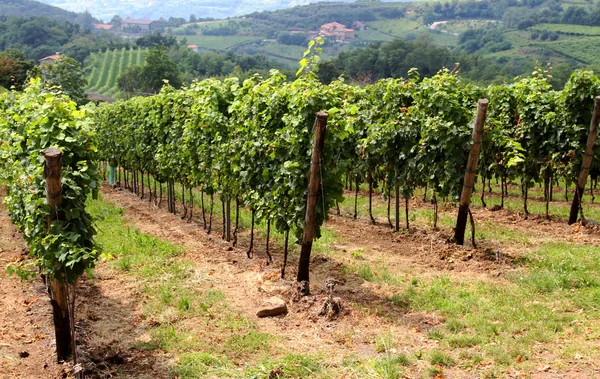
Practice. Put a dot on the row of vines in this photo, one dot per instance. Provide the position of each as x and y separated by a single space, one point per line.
52 219
251 141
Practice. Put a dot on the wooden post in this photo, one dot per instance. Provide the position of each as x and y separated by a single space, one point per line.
58 290
397 226
311 203
467 190
587 162
228 218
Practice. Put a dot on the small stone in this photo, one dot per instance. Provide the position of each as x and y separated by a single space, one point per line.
272 307
23 354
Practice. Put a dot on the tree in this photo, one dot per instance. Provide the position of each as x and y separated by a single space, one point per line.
150 76
130 81
64 75
156 39
159 66
14 68
116 20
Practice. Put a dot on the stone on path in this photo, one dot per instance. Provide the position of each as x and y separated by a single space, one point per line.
272 307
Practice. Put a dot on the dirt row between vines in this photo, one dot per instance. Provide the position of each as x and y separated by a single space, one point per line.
246 282
109 307
26 331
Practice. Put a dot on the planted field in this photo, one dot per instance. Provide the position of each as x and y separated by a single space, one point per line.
104 68
398 27
219 43
290 53
218 190
582 49
577 30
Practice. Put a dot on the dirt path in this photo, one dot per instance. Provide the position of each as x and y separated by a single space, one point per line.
26 331
107 322
109 307
247 282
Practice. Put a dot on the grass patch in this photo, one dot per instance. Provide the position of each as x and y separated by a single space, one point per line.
389 367
289 366
441 358
384 342
251 342
556 286
194 365
463 341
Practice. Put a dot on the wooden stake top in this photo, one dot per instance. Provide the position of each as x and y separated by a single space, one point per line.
53 153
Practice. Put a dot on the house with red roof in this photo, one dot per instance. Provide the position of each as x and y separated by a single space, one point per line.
102 26
51 59
337 31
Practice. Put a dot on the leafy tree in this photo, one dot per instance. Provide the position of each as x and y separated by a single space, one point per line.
298 39
150 76
64 76
13 68
130 81
116 20
159 66
156 39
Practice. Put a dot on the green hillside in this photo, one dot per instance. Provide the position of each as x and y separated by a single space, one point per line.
29 8
576 30
103 69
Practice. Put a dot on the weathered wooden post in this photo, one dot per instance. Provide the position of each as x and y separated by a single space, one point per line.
467 190
311 203
58 289
397 206
587 162
227 218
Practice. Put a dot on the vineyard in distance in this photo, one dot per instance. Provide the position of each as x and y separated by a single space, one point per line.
103 69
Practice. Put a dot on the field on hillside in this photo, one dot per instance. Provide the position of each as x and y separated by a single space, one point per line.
523 303
219 43
103 69
569 29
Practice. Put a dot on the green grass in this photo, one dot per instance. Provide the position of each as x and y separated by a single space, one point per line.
193 365
293 53
194 323
582 48
460 26
581 30
397 27
219 43
440 358
555 286
372 35
172 292
551 295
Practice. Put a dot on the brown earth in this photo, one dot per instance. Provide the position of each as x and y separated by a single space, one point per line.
109 306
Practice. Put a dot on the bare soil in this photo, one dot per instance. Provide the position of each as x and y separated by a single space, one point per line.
109 306
26 330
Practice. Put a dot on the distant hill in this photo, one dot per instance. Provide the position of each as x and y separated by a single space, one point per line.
30 8
154 10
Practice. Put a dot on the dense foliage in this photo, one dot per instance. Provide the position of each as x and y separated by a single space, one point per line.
32 122
14 68
63 76
252 140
